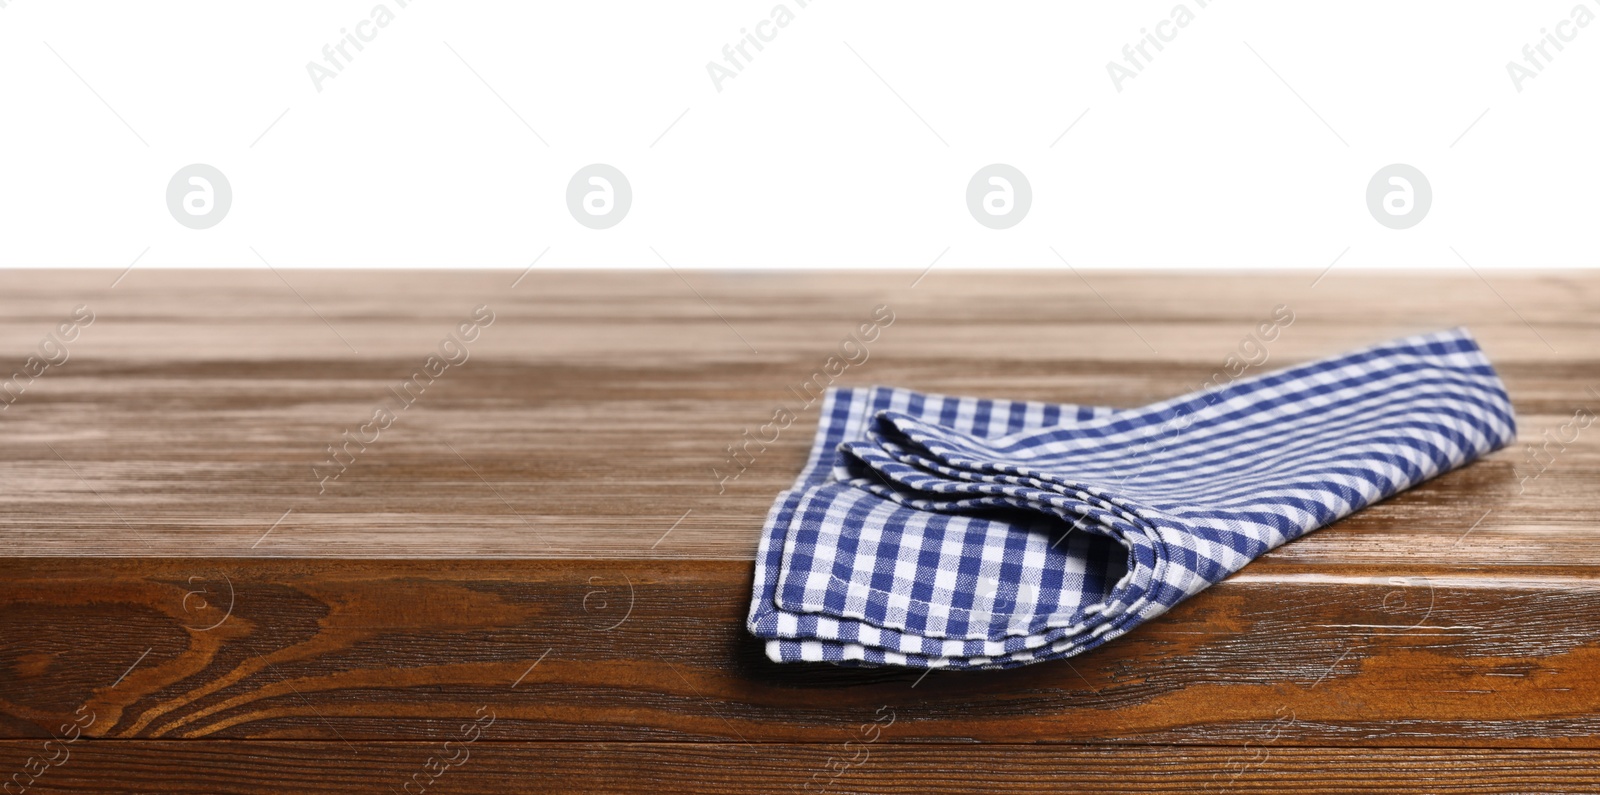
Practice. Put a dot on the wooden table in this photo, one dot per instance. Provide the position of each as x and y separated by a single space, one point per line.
531 579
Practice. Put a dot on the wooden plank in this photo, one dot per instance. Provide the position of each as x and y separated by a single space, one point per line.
539 536
194 413
249 768
367 650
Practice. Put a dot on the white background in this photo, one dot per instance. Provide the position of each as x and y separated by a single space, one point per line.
815 155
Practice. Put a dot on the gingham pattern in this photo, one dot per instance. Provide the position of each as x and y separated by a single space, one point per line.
932 531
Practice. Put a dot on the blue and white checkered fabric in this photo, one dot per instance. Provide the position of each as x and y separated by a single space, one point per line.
943 532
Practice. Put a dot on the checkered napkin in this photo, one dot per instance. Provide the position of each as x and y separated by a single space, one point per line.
945 532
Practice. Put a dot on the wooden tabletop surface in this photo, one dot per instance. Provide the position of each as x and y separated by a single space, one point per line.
530 539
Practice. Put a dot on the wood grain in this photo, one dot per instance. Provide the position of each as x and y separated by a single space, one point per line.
315 768
358 650
590 415
539 536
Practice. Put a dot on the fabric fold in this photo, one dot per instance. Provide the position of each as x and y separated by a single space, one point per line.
934 531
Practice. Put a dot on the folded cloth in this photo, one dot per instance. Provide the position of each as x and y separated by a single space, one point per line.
944 532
